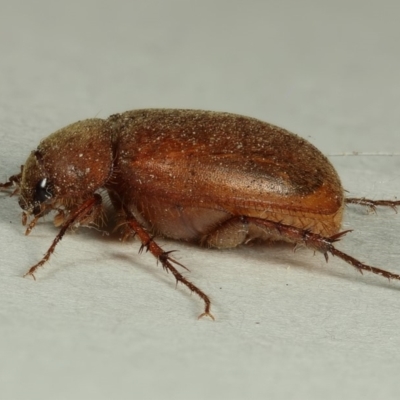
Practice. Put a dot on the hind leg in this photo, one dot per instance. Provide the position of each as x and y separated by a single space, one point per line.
238 230
372 204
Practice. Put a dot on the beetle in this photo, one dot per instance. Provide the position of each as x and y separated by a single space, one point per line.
213 178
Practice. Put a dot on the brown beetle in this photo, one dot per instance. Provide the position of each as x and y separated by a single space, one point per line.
217 179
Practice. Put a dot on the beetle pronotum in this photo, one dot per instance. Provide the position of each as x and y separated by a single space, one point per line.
217 179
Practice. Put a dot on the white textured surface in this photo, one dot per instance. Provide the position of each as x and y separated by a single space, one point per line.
103 322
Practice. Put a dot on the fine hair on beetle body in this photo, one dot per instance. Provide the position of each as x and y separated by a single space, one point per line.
216 179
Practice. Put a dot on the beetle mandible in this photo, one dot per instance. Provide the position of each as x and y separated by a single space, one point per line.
217 179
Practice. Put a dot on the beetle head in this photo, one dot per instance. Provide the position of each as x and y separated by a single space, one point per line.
66 168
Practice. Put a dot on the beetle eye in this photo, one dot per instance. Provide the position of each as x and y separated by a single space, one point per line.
42 191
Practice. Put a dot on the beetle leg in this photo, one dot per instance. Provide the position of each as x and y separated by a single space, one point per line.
316 242
82 213
372 204
165 259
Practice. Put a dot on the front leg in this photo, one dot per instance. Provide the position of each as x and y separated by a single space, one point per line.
87 211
